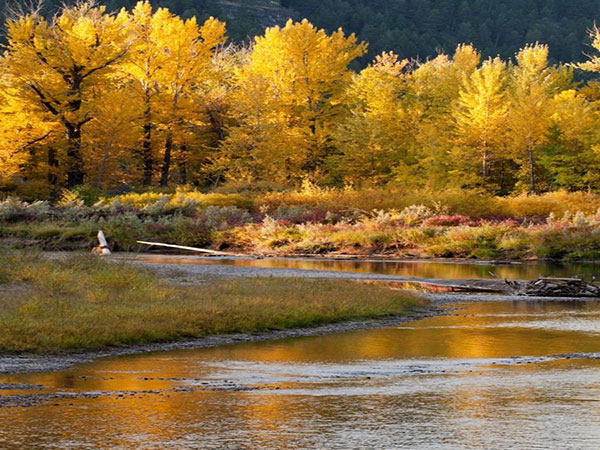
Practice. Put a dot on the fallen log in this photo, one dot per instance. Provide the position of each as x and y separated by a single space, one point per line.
191 249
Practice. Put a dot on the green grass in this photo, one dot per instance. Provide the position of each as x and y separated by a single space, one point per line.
85 303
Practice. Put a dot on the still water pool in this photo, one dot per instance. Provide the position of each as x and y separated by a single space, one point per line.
490 375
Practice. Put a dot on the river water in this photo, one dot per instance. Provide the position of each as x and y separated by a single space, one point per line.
410 268
487 375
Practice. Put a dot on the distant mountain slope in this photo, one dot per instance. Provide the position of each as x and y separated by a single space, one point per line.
420 28
411 28
244 17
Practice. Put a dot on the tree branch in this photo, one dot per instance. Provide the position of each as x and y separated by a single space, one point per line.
44 99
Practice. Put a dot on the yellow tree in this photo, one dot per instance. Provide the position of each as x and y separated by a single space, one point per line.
433 90
169 57
480 112
55 64
371 140
22 127
213 101
533 85
593 64
144 60
304 72
113 133
190 48
571 155
260 144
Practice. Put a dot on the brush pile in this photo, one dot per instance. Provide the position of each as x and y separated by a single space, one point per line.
554 287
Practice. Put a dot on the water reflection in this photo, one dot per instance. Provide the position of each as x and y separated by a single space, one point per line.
420 269
521 371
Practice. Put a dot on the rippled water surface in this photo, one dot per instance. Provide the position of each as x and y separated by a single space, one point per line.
489 375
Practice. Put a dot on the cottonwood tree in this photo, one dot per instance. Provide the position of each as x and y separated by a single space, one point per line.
302 72
22 127
533 85
480 112
54 64
433 90
168 59
371 140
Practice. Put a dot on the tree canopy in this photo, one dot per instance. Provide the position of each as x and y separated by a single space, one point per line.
144 97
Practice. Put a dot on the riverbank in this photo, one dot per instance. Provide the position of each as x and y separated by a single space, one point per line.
340 289
83 303
551 227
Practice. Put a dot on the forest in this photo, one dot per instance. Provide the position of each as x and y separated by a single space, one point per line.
146 98
421 28
415 29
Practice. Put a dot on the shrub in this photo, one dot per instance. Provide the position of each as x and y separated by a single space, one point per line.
222 218
415 214
448 221
299 214
541 206
12 210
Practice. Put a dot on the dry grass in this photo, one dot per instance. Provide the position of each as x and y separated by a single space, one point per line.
85 303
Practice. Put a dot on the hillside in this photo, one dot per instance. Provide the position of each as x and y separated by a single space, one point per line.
411 28
244 17
420 28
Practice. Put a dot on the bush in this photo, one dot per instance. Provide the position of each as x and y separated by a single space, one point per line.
222 218
299 214
449 221
13 210
541 206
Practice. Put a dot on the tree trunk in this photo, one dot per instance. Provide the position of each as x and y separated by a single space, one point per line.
52 166
102 169
485 164
531 171
183 165
164 175
75 169
148 160
53 173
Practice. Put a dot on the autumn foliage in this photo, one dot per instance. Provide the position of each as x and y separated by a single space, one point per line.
146 98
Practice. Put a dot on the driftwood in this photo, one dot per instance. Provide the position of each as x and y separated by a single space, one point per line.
102 248
191 249
554 287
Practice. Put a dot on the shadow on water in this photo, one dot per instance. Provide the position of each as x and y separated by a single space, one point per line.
487 375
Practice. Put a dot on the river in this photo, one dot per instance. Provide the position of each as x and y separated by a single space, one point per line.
497 374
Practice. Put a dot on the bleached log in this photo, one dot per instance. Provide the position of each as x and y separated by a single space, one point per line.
192 249
103 247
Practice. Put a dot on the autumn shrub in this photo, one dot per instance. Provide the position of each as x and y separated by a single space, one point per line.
541 206
561 242
449 221
133 200
415 214
464 241
299 214
13 210
224 217
123 231
213 199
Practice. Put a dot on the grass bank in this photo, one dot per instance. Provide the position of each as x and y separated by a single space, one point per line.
84 303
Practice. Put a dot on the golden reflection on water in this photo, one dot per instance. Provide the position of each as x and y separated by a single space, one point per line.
419 269
437 381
